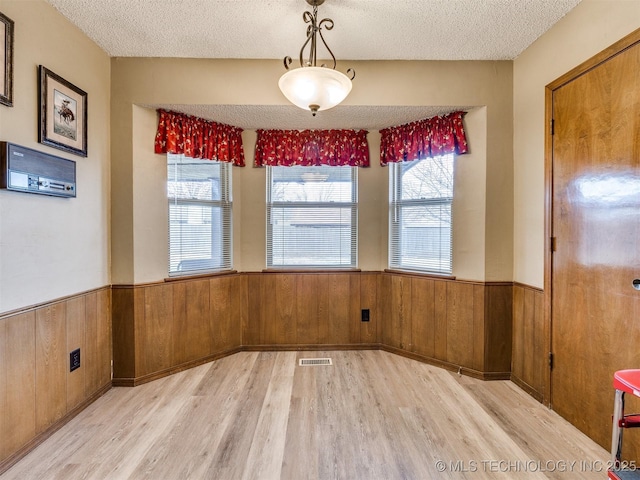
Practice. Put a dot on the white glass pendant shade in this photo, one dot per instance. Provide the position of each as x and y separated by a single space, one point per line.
315 88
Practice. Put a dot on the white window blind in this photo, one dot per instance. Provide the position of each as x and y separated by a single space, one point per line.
312 217
199 194
420 194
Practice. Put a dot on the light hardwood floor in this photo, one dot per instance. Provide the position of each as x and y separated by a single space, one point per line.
372 415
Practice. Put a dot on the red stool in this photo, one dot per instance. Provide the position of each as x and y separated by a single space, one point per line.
624 381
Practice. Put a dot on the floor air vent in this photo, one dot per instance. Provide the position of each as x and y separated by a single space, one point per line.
306 362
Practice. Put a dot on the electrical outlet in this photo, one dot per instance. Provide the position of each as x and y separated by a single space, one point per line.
365 314
74 360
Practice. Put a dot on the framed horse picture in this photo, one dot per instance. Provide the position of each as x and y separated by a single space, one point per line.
62 114
6 61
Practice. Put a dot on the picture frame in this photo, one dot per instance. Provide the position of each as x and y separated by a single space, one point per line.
62 115
6 60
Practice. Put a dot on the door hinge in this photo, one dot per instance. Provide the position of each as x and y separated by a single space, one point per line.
551 360
552 244
553 124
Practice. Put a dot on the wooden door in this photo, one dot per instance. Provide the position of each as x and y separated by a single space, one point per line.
595 219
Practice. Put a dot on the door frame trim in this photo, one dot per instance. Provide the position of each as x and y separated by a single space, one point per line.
617 48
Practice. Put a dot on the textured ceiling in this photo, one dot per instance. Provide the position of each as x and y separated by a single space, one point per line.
364 29
273 29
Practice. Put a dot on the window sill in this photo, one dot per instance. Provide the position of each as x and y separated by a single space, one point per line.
200 275
310 270
420 274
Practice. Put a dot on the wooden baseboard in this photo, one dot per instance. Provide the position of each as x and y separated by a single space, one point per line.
447 366
321 347
134 382
527 388
8 462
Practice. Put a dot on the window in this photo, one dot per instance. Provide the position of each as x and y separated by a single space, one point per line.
420 194
199 194
312 216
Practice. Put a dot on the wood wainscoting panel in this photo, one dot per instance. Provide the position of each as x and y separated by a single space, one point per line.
499 326
154 330
397 292
400 321
283 309
226 312
191 312
88 320
138 320
529 366
162 328
440 317
51 365
38 393
219 312
76 331
451 323
253 320
98 339
423 316
369 299
385 333
480 328
448 322
305 308
355 313
529 330
338 287
103 346
324 313
91 359
124 320
268 307
517 355
540 358
17 382
308 309
460 323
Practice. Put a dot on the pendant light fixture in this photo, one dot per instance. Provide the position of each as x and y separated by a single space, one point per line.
311 87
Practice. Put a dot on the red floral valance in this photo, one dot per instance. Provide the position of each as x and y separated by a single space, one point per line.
198 138
312 147
431 137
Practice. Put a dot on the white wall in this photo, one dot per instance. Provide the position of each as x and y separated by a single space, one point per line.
588 29
52 247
